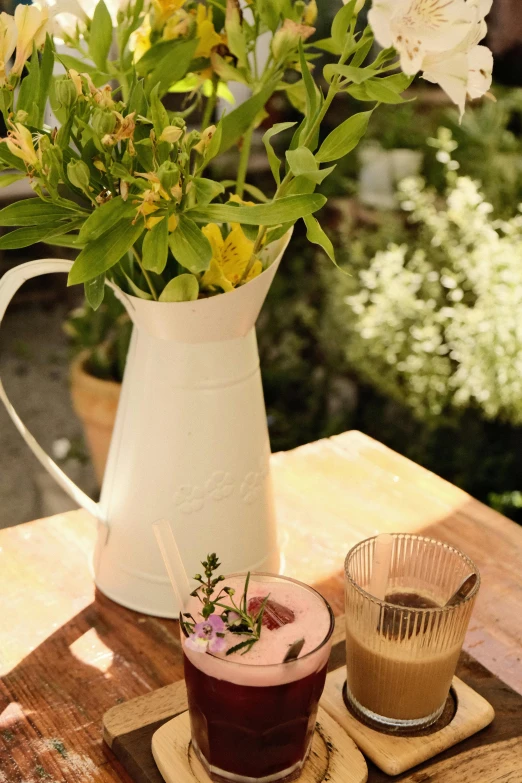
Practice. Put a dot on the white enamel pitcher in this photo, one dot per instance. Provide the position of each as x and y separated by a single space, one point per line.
190 442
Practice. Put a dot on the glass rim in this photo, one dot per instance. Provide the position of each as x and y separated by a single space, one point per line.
265 666
414 609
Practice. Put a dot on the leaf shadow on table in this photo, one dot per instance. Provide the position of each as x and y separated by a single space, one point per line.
53 700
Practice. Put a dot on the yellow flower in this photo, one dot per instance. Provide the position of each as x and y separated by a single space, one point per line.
230 257
31 24
77 81
171 134
208 38
20 143
139 42
164 9
310 14
178 25
7 42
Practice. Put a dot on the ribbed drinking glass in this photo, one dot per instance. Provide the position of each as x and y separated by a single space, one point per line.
402 651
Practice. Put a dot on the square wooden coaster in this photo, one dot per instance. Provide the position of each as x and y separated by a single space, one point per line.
333 757
393 753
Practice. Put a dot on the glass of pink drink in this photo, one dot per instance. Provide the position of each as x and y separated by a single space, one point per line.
252 716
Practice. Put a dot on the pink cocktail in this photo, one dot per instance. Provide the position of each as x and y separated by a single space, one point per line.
253 716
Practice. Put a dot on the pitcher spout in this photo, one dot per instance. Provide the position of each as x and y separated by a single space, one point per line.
217 318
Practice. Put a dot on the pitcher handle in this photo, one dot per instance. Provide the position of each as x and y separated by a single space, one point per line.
9 285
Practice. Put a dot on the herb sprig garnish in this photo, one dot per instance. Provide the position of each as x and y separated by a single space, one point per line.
234 617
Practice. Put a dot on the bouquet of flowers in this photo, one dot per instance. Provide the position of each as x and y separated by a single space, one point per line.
126 182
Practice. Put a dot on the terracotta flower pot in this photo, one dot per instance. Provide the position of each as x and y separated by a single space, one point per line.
95 402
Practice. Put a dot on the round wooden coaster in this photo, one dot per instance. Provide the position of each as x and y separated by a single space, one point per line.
333 757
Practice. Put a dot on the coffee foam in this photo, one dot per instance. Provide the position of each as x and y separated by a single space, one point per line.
262 665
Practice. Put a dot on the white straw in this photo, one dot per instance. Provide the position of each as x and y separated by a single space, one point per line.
173 562
382 555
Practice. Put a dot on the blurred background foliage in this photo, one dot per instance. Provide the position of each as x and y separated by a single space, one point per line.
322 373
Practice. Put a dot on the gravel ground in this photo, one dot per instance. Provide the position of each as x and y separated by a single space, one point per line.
34 365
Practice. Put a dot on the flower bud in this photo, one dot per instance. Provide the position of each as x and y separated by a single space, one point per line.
310 14
79 175
66 92
287 38
299 8
171 134
103 122
168 174
206 138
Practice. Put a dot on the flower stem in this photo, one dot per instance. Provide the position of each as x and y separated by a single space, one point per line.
145 274
243 162
210 105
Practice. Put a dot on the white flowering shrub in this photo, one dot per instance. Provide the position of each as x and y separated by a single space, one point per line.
436 320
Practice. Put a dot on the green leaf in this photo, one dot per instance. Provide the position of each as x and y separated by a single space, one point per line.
269 12
315 234
8 179
344 138
276 233
226 71
301 185
9 159
189 245
241 645
33 212
363 47
135 289
30 89
255 193
397 81
104 252
236 41
311 91
104 218
99 78
355 75
95 291
250 189
235 124
100 37
214 147
341 23
302 163
156 247
25 237
137 101
327 45
159 114
206 190
184 288
153 57
46 75
173 67
283 210
384 92
275 163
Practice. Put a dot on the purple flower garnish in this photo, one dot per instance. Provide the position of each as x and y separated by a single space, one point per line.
208 635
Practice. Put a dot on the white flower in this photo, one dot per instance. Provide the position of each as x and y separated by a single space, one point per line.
7 42
416 27
439 38
31 25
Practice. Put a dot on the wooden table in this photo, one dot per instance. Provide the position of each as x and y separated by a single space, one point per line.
67 654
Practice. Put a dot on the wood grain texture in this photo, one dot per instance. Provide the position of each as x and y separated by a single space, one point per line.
333 755
395 754
500 763
67 654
